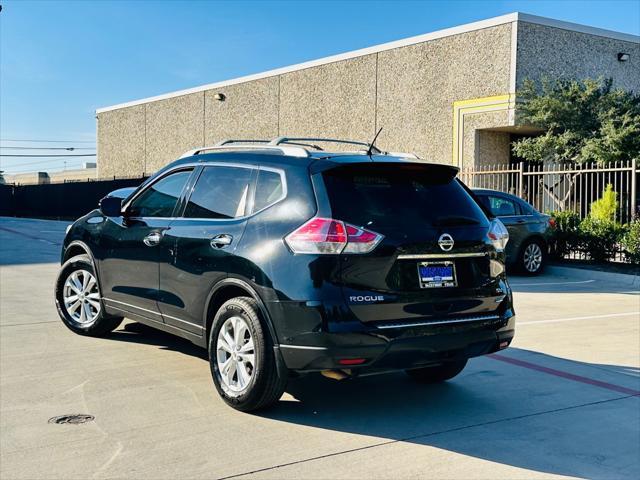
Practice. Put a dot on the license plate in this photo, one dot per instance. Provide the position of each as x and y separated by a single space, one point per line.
437 274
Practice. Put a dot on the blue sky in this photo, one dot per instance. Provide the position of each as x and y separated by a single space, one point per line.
59 61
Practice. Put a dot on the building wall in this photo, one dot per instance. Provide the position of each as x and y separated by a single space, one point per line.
442 98
172 126
81 174
418 85
409 91
336 100
250 110
551 52
483 146
121 139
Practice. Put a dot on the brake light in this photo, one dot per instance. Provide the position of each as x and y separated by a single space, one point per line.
329 236
552 222
498 235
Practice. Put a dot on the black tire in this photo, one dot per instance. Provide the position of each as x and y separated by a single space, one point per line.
103 323
525 265
266 385
438 373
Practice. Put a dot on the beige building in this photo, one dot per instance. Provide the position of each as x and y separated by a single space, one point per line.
88 172
448 96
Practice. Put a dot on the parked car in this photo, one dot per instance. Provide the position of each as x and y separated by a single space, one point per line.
529 230
283 260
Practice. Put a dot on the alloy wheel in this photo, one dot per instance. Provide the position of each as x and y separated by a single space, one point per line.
533 257
81 297
235 354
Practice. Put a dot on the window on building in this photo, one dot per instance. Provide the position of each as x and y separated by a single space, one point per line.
159 200
220 192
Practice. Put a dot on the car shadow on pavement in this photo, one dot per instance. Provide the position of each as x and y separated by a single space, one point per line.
134 332
520 408
494 410
28 241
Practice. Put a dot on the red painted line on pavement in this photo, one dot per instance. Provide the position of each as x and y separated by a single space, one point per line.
567 375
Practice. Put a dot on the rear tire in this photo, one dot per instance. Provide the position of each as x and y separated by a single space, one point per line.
242 358
438 373
79 301
532 257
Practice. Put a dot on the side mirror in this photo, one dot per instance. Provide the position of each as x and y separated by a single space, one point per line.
111 206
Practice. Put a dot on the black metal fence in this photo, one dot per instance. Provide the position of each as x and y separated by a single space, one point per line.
560 188
62 201
554 187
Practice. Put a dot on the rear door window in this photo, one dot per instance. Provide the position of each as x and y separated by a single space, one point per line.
397 197
220 192
503 207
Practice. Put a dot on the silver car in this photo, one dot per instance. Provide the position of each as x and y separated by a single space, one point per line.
529 230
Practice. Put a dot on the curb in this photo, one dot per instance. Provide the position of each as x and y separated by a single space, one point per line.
584 273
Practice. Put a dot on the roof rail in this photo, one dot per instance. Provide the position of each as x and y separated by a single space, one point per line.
286 150
291 146
297 140
228 141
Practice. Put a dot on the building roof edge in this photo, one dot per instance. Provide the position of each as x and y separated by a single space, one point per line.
426 37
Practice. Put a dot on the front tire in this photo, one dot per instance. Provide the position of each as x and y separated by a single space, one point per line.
78 299
532 257
242 358
438 373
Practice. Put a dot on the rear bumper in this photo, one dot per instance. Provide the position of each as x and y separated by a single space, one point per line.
400 347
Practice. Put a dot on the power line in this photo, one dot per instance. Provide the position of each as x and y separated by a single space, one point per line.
45 141
47 148
19 172
56 156
40 162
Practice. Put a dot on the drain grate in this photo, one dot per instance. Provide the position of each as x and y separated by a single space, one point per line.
74 419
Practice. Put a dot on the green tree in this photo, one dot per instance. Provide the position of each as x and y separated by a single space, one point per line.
604 209
582 121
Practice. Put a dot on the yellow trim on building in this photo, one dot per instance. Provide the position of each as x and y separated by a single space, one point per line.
471 106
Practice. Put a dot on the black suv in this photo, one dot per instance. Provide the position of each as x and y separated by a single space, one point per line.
281 259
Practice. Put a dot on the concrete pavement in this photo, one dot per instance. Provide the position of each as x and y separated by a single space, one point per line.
562 402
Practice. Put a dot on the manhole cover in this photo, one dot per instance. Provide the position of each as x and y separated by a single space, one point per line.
74 419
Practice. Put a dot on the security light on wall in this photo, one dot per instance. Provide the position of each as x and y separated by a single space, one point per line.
623 57
220 97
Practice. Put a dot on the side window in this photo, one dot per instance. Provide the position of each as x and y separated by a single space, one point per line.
502 207
160 199
269 189
220 192
526 208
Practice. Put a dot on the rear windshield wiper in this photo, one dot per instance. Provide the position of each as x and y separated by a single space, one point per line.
455 220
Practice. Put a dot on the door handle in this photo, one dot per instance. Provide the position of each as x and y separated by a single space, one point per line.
152 239
221 241
520 220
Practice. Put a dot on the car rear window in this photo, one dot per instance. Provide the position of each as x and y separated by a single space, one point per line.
400 195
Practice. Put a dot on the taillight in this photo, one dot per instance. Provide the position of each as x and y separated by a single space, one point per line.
498 235
329 236
552 222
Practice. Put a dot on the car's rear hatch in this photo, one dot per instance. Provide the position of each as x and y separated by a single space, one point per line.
414 272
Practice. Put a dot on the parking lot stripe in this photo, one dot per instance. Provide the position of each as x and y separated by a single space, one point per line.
566 375
571 319
548 283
